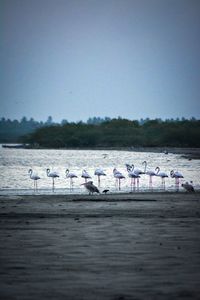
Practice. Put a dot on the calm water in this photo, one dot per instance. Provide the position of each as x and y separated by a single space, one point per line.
15 163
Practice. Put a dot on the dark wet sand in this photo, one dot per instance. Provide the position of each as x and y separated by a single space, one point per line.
118 247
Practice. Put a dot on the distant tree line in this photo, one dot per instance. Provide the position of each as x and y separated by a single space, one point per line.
11 131
117 132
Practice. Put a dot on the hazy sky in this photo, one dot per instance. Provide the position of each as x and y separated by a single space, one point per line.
74 59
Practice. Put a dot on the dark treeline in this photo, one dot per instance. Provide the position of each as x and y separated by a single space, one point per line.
117 133
11 131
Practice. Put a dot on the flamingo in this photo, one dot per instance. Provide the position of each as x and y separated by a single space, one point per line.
71 176
136 173
52 175
132 175
150 173
162 175
34 177
132 168
177 175
118 175
85 175
99 173
90 187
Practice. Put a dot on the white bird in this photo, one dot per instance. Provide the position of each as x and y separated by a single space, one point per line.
134 176
132 168
134 173
149 172
90 187
177 175
188 187
85 175
118 175
35 178
70 175
53 175
162 175
99 172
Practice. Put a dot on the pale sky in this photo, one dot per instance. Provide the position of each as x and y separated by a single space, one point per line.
75 59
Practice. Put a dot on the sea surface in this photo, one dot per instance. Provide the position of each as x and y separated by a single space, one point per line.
15 163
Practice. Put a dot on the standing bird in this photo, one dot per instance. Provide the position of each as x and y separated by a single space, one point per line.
105 191
91 187
85 175
71 176
134 173
177 175
118 175
150 173
99 173
52 175
188 187
162 175
35 178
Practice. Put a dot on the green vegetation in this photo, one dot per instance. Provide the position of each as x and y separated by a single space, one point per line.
118 133
11 131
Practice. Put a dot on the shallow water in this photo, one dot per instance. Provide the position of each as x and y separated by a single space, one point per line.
15 163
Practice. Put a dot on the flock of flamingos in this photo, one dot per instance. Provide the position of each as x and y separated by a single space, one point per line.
133 173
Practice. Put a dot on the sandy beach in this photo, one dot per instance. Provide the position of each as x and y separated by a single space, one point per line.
116 247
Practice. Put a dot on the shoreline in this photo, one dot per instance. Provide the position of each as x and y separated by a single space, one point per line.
160 195
104 247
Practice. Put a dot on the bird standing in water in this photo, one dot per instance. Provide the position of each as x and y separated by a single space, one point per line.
177 175
53 175
99 173
162 175
71 176
35 179
118 175
91 187
134 173
85 175
150 173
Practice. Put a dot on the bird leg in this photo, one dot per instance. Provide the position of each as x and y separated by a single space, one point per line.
150 182
36 186
163 183
71 184
138 182
53 184
133 184
116 182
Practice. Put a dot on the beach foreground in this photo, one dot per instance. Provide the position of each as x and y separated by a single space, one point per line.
117 247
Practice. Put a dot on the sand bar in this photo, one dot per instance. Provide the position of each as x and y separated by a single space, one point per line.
117 246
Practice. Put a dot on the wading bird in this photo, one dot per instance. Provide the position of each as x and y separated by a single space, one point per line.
85 175
150 173
34 177
105 191
70 175
99 173
134 173
188 187
118 175
91 187
53 175
177 175
162 175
